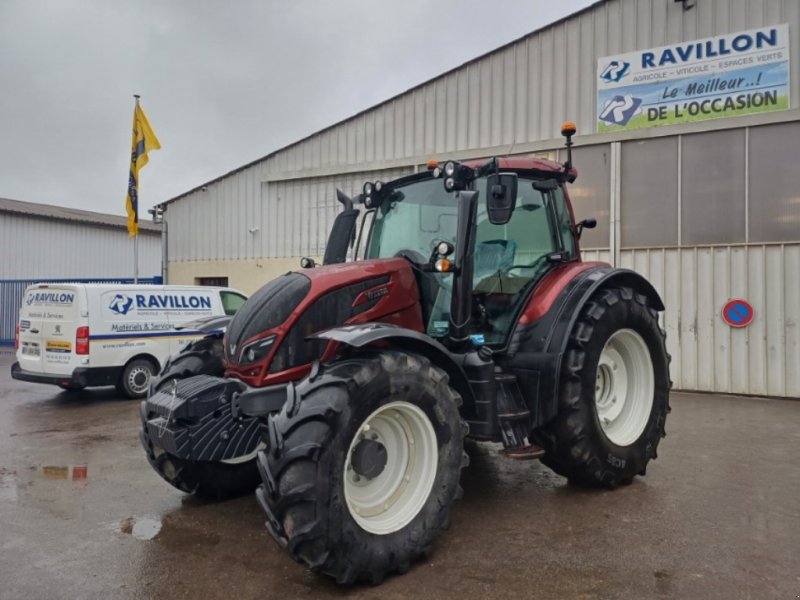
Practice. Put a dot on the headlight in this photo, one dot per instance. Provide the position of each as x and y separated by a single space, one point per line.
254 352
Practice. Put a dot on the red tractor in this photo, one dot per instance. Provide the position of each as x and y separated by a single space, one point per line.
347 390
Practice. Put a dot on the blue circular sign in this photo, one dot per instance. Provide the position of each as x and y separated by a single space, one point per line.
738 313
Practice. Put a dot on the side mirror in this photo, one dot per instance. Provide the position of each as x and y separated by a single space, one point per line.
501 197
589 223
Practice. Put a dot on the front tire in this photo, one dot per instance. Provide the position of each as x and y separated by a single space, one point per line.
361 469
204 479
613 393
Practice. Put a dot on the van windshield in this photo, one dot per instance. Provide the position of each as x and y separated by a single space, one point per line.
231 302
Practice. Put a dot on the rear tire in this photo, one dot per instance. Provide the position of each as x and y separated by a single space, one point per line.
613 393
361 469
134 381
207 480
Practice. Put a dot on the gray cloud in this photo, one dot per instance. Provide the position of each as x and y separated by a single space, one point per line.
223 83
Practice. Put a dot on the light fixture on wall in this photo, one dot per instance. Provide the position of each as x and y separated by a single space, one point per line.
687 4
253 230
157 213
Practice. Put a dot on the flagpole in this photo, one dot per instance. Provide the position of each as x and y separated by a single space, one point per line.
136 237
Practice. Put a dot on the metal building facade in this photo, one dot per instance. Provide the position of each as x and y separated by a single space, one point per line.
512 101
52 243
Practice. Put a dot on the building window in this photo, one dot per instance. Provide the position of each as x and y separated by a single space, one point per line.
212 281
591 192
649 193
713 188
774 199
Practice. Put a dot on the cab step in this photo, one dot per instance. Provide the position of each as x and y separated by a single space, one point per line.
529 452
514 419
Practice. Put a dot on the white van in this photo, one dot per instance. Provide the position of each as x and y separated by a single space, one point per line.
79 335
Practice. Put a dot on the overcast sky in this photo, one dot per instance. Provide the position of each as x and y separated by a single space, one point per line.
223 83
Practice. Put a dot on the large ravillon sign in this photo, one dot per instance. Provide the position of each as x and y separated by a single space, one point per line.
724 76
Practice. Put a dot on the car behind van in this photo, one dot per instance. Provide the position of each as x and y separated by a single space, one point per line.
82 335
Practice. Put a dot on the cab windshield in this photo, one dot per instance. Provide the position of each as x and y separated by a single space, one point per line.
508 258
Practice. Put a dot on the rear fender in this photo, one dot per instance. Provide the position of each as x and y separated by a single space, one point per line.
360 336
536 349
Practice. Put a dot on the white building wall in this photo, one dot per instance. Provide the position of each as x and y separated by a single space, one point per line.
40 248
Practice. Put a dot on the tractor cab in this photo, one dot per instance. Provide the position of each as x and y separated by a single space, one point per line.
507 244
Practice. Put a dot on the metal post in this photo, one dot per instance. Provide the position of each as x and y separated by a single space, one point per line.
164 256
136 258
136 218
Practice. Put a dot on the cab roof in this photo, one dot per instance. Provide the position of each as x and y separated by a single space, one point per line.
525 163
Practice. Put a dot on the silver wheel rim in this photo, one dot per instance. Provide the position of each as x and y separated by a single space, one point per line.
136 376
391 500
624 387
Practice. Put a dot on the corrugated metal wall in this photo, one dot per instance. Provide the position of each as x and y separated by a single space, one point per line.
695 283
33 248
272 219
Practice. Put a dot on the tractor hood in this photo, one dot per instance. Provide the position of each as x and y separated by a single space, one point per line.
266 341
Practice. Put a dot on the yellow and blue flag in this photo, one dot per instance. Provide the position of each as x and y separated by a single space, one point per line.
144 140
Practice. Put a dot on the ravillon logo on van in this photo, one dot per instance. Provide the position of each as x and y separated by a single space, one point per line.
121 304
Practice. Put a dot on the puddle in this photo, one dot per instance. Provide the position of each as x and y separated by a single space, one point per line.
65 472
142 528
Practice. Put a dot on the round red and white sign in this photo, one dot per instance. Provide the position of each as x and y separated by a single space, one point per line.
738 313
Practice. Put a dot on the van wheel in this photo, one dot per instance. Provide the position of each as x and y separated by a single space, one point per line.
135 379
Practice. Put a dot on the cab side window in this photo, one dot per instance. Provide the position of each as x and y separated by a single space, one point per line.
231 302
510 257
529 235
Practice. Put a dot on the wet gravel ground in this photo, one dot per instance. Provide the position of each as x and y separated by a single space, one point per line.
718 516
